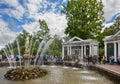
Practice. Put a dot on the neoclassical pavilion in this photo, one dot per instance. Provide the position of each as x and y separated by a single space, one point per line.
77 47
112 45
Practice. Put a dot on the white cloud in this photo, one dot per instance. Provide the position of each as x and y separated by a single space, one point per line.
65 1
13 3
108 24
6 35
53 7
33 8
17 11
111 7
33 27
56 22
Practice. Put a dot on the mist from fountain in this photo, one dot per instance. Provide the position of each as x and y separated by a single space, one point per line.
19 54
31 41
39 49
32 49
45 48
11 55
9 60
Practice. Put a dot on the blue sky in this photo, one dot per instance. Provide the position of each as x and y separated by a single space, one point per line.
19 12
18 15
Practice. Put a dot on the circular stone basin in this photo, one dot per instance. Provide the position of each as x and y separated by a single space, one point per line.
25 74
61 75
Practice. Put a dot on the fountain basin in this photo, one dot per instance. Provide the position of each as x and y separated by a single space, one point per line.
61 75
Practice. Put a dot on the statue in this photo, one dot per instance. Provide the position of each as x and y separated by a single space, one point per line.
27 44
26 55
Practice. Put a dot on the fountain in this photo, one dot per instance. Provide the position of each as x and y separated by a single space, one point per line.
57 74
26 56
26 72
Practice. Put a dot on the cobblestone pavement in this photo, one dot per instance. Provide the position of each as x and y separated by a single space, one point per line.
113 68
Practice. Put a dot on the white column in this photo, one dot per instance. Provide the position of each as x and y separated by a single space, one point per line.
90 51
119 48
85 50
70 50
105 49
62 51
115 55
82 51
97 50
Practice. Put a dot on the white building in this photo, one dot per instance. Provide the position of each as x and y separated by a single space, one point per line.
112 45
77 47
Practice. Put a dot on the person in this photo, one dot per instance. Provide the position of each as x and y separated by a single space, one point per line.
103 59
111 60
94 59
0 58
17 58
99 59
118 60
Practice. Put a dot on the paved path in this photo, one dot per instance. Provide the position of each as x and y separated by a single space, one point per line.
113 68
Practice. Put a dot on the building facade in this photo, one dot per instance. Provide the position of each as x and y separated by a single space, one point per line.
112 46
79 48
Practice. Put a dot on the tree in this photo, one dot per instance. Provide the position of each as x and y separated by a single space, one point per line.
44 30
117 23
55 48
85 18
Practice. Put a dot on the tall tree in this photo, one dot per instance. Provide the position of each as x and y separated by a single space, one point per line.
41 34
85 18
44 30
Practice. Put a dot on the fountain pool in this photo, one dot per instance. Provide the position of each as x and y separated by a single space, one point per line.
61 75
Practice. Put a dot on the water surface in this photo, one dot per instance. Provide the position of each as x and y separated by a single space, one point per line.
61 75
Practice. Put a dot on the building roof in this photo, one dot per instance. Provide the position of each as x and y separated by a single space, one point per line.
113 37
76 39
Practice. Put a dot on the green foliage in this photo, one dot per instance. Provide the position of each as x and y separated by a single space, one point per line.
44 30
55 48
101 51
110 31
85 18
113 29
40 35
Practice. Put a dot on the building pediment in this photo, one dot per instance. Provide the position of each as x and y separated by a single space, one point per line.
77 41
75 38
108 38
113 37
116 36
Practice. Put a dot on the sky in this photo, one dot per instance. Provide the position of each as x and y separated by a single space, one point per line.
18 15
